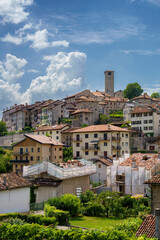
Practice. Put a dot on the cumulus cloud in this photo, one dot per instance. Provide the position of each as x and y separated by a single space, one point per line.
12 68
65 74
12 39
63 43
33 71
39 39
14 11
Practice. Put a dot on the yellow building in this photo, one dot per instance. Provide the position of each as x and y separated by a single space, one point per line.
100 141
35 149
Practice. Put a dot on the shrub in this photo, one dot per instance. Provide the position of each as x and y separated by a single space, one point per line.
87 196
94 209
67 202
62 217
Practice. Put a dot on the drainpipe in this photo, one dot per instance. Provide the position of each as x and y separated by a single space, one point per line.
157 223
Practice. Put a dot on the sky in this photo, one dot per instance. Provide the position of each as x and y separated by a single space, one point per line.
54 48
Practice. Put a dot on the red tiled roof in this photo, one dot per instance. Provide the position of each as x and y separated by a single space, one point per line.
55 127
12 181
43 139
100 128
148 164
86 110
153 180
107 162
147 227
141 109
143 96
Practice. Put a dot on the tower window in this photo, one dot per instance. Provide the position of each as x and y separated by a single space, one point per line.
109 73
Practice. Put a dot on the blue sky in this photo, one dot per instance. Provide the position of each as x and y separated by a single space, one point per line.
54 48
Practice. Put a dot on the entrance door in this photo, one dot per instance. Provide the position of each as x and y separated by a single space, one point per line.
105 154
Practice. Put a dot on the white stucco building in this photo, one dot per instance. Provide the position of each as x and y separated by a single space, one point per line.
14 193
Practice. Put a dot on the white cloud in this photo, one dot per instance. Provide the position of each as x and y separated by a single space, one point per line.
14 10
33 71
39 39
143 52
65 73
153 2
12 68
12 39
63 43
23 29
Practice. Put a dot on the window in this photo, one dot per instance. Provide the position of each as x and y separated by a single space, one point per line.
60 149
105 144
145 114
38 149
50 132
38 158
26 150
26 157
77 154
126 135
77 144
57 137
122 134
122 152
95 135
31 158
150 121
145 128
86 152
86 135
145 121
16 158
21 168
126 144
95 152
55 157
122 143
57 132
77 137
150 128
60 156
31 149
21 150
55 149
99 165
150 114
109 73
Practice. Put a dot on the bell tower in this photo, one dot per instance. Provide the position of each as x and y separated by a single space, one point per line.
109 82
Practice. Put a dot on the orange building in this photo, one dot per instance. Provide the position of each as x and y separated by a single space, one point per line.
34 149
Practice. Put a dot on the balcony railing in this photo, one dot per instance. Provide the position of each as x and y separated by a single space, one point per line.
116 147
90 148
77 139
22 153
19 161
116 138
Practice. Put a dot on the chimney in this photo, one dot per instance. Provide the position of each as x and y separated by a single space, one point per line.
157 223
5 181
134 163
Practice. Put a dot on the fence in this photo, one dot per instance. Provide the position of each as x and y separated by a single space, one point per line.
37 206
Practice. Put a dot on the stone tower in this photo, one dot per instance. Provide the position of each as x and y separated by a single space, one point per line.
109 82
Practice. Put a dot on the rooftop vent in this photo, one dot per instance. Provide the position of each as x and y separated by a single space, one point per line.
145 157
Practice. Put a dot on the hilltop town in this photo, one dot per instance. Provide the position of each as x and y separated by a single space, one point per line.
91 142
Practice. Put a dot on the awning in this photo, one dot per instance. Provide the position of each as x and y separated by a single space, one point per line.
94 142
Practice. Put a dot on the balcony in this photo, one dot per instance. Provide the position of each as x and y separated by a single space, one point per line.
77 139
19 161
22 154
116 147
75 157
90 148
116 138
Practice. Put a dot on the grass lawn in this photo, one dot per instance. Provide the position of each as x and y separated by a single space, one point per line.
95 222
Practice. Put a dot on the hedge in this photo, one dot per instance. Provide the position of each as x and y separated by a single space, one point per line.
61 216
30 218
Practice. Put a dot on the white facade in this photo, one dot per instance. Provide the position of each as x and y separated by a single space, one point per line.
15 200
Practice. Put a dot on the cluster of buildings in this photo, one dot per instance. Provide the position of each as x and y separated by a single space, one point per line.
101 153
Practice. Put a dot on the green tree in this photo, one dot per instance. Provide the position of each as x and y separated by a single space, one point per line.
155 95
67 153
5 158
3 128
103 119
132 90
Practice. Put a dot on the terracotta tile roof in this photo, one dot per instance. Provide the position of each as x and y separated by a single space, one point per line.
143 96
86 99
141 109
98 94
153 180
77 94
147 227
107 162
55 127
12 181
140 162
69 130
110 100
85 110
43 139
100 128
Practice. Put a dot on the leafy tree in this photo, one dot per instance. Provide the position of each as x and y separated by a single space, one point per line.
67 153
132 90
5 158
103 119
87 196
84 125
3 128
155 95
